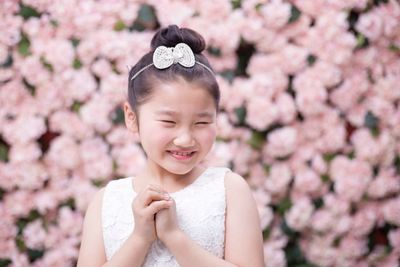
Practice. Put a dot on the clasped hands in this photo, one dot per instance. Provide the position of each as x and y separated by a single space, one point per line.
154 214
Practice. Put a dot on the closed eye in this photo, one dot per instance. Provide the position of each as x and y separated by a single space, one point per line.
203 122
167 121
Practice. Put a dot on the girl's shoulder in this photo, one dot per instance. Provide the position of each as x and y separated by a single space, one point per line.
235 182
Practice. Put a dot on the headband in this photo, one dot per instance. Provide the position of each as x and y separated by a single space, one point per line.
164 57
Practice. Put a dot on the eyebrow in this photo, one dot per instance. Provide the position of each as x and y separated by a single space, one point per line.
202 114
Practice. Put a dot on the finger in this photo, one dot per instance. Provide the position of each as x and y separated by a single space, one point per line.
156 206
151 196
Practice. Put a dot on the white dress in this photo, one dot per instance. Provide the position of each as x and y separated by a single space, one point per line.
200 209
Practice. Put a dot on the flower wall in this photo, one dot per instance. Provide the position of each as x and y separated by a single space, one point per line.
310 117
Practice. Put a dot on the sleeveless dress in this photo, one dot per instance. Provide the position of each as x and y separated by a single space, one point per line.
200 209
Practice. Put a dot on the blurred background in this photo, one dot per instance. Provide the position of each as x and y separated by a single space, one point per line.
310 117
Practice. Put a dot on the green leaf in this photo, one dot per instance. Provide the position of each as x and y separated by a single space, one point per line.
325 178
20 243
397 164
8 62
328 157
34 254
372 123
311 59
266 233
119 26
27 11
362 41
395 48
77 64
76 106
70 202
295 14
236 4
117 116
256 140
4 152
146 19
215 51
97 182
75 42
284 205
29 87
241 114
46 64
228 75
5 262
23 45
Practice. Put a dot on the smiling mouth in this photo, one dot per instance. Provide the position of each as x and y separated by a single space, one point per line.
181 155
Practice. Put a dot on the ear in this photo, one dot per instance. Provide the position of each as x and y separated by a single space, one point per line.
130 118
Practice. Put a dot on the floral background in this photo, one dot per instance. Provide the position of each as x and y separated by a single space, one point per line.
310 117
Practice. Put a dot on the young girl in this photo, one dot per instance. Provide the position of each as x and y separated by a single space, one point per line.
175 212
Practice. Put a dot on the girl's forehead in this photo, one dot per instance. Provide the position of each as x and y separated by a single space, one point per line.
174 97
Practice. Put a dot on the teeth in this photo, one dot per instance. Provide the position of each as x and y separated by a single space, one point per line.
181 154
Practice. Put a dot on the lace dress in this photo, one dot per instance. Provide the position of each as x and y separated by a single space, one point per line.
200 209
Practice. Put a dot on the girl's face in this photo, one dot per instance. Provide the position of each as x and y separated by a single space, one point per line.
177 126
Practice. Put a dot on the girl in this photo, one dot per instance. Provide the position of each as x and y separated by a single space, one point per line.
175 212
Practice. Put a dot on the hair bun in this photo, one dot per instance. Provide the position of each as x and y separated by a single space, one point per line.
173 35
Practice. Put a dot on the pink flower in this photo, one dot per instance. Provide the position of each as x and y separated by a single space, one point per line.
19 202
70 222
351 177
322 220
329 74
129 159
319 164
261 113
307 181
292 59
391 211
96 162
276 13
370 25
45 200
114 86
95 113
57 51
23 129
274 257
394 239
34 235
69 123
373 150
351 247
363 222
79 84
34 71
24 152
8 228
279 178
64 152
101 68
282 142
386 183
120 135
244 157
299 214
286 108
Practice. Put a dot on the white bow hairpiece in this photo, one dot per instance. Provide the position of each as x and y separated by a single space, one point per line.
164 57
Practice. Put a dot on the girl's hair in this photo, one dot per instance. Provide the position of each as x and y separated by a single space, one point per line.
142 87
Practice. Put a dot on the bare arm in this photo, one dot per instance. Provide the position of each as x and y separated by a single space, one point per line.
91 253
243 243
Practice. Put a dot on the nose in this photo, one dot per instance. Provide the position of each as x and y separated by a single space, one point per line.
184 139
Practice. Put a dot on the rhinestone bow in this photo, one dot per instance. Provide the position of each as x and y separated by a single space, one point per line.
164 57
